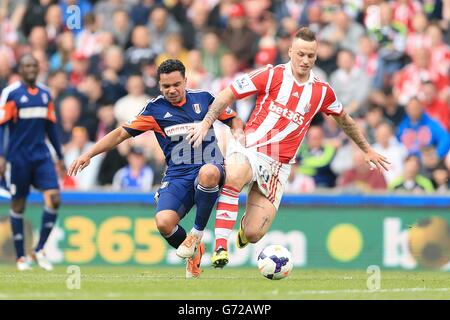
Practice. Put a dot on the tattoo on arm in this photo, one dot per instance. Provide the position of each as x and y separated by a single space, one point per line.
214 111
351 130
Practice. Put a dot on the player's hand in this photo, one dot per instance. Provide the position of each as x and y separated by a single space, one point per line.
2 166
78 165
197 133
61 169
374 159
239 135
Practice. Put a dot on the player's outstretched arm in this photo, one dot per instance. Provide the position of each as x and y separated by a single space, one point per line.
106 143
352 131
199 130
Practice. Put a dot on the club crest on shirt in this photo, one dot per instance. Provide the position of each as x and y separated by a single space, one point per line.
197 108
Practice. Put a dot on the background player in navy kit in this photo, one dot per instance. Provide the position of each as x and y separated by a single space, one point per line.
193 176
27 117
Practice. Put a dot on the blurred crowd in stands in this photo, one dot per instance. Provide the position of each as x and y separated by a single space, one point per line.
388 61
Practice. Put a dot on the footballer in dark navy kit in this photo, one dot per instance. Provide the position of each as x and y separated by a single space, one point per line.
193 175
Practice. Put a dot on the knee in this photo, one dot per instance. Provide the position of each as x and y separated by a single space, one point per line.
209 176
164 225
18 206
55 201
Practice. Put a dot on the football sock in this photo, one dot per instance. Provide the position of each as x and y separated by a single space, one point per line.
176 237
17 230
48 221
205 199
226 215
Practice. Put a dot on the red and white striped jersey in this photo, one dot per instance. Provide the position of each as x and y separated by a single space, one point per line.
284 109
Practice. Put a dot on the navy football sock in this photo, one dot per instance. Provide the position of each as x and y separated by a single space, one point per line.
48 221
17 230
205 199
176 237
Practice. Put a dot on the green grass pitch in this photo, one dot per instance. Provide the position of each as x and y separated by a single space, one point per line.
110 282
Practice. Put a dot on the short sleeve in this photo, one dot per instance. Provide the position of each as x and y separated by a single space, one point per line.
251 83
8 107
331 105
141 123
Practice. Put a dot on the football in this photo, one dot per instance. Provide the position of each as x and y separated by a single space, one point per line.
429 242
274 262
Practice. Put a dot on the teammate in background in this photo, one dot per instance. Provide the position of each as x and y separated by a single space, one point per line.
288 97
27 117
194 175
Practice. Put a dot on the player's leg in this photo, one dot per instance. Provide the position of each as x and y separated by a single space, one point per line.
18 182
207 185
45 179
23 263
259 215
167 224
238 174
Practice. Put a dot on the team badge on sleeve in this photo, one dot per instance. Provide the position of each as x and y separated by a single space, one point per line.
197 108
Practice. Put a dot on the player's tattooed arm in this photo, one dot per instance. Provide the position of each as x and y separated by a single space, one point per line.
199 130
353 132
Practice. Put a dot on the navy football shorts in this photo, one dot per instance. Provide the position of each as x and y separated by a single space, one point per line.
40 174
177 194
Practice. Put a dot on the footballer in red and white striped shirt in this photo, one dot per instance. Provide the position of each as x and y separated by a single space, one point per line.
288 97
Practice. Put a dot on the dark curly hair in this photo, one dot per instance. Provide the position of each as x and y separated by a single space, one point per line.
171 65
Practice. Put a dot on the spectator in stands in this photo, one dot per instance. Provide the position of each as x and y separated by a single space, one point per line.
173 49
429 161
315 158
212 50
326 57
408 82
434 106
104 10
78 144
373 118
161 24
54 24
411 180
350 84
136 175
130 105
70 113
392 110
418 130
88 41
80 67
441 178
61 59
141 10
197 77
360 177
113 73
343 32
239 38
391 39
121 28
388 145
140 51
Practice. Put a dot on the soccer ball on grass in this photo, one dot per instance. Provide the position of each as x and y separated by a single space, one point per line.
275 262
429 242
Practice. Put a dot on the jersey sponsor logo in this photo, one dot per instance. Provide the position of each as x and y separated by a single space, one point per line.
286 113
33 113
167 115
178 129
24 99
197 108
